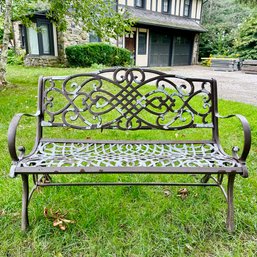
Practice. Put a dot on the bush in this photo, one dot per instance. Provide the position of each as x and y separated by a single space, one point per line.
13 58
97 53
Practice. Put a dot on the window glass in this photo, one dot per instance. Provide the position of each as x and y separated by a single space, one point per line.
22 36
165 6
187 7
139 3
44 29
93 37
32 41
40 40
142 42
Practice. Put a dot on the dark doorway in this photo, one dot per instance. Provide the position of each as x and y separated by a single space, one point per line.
159 52
182 50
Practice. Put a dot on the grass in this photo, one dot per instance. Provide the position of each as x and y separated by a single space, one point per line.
123 221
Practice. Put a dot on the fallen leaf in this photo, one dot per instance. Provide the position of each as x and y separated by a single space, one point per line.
183 193
68 221
2 212
176 135
57 223
167 192
58 218
45 180
62 227
189 247
45 212
15 214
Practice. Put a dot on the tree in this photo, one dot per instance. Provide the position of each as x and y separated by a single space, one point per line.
100 16
248 2
221 18
246 40
6 37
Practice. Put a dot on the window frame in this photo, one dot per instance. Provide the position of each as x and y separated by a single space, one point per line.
139 48
93 38
140 6
169 6
189 5
22 33
39 22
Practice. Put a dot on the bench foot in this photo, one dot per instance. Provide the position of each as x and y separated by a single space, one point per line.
230 200
25 202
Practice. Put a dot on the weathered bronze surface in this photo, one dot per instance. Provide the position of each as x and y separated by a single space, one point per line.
127 99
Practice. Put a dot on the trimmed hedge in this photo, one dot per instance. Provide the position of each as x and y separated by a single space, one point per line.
97 53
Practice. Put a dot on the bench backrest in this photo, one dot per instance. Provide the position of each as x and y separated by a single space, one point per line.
127 99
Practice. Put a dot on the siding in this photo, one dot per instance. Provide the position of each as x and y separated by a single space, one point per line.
176 8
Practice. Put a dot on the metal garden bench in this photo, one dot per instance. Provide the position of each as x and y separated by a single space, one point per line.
127 100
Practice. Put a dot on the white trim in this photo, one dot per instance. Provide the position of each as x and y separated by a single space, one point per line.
55 40
142 59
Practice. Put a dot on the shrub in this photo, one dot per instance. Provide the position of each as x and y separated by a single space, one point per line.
97 53
13 58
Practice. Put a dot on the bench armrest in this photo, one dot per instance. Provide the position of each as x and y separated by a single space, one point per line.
247 136
12 136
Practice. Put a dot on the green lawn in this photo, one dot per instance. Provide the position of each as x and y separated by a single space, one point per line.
123 221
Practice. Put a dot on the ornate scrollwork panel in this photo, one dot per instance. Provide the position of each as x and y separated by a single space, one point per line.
128 99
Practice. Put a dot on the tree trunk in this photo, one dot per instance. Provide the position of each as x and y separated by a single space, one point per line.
6 38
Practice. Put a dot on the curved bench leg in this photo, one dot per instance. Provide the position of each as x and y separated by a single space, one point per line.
205 178
230 200
25 202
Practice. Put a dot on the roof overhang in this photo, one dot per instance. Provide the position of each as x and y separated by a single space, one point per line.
157 19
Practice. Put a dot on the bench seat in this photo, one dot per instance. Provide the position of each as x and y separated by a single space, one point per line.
75 156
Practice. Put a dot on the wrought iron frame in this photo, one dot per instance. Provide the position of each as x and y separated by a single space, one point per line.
41 175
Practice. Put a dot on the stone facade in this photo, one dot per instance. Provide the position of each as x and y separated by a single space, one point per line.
72 36
17 35
42 61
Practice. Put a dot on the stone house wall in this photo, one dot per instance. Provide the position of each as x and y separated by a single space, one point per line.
72 36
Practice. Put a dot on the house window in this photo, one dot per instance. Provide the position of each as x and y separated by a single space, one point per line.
22 36
142 36
93 37
140 3
187 7
40 39
32 38
165 6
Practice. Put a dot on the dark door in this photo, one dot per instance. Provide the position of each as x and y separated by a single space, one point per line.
159 52
130 44
182 50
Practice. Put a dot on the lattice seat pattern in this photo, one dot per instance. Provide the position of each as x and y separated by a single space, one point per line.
126 154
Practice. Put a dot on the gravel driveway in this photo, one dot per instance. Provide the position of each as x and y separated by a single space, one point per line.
236 86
